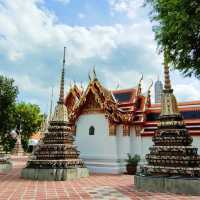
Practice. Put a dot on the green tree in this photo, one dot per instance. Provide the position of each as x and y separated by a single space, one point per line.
177 31
8 94
28 118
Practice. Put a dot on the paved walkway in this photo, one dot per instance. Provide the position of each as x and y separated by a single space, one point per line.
105 187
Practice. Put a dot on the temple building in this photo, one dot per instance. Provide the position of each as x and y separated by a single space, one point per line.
109 124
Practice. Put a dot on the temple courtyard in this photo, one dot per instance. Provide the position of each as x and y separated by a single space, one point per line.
96 186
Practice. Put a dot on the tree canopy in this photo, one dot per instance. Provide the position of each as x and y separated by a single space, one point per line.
8 94
177 31
15 115
28 118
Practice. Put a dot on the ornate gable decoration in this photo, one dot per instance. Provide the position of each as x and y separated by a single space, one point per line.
97 99
72 98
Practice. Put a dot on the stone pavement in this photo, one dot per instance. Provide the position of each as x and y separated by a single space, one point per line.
105 187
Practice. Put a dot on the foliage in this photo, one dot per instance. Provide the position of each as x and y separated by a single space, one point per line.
8 94
133 160
13 115
177 31
28 118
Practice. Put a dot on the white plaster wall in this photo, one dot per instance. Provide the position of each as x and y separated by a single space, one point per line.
123 143
104 153
133 144
97 146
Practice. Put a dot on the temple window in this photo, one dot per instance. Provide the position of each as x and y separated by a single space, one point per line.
126 130
91 130
112 129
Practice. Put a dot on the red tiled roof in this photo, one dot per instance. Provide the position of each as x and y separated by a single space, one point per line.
131 91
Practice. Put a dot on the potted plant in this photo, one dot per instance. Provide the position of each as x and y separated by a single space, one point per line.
132 162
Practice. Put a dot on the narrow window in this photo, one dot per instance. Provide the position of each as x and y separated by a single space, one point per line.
91 130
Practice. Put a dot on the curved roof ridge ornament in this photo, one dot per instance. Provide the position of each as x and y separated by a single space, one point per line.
140 85
150 86
89 76
148 97
94 73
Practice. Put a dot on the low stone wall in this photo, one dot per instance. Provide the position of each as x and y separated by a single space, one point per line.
54 174
165 184
5 167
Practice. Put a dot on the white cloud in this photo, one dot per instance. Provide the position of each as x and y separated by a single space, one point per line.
30 34
129 7
29 29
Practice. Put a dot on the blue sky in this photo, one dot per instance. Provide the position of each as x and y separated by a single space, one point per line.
114 35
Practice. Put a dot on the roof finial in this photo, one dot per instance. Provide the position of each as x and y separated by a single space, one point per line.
150 86
166 73
148 99
61 97
94 73
89 76
140 85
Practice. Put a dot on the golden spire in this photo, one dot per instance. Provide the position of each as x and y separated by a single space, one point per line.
60 113
168 100
62 81
166 74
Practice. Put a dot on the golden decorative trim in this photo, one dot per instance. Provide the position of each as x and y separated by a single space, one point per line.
126 130
112 129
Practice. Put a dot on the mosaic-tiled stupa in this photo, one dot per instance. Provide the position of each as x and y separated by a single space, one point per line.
56 157
172 153
18 149
173 165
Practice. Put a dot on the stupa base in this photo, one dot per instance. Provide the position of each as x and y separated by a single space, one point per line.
176 184
5 167
54 174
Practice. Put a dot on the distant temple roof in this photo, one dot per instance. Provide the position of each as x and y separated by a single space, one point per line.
125 95
190 111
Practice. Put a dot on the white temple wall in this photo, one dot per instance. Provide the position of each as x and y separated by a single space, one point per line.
99 145
103 153
124 143
99 151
